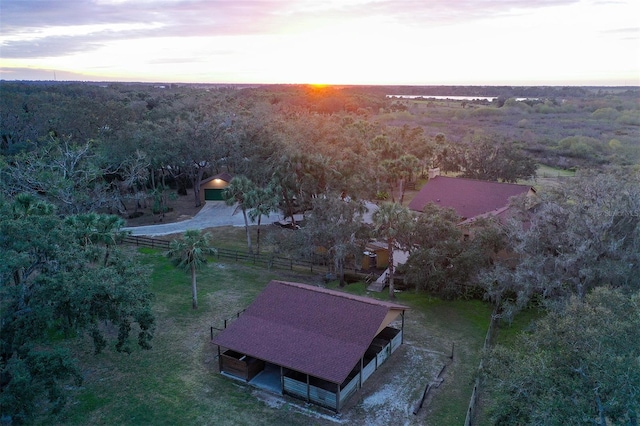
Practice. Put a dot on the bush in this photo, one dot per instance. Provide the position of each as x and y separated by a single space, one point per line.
605 114
382 195
581 147
631 118
486 112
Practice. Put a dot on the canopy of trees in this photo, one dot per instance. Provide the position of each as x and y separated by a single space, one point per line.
58 279
579 365
581 235
445 258
79 151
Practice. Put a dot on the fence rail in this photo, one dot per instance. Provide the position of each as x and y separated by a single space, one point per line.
471 410
266 260
137 240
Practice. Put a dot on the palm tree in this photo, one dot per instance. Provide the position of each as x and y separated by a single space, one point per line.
109 232
97 228
262 201
236 192
391 221
189 252
26 204
407 166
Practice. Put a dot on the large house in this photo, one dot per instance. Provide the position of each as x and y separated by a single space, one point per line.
311 343
468 197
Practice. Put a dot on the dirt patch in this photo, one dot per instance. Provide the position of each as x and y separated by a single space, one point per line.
182 208
392 392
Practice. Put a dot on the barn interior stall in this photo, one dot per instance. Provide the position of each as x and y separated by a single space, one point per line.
314 389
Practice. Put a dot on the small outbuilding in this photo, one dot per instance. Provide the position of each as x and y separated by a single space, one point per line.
211 188
309 342
375 256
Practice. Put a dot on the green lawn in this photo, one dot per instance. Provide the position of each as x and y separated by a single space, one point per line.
176 382
545 171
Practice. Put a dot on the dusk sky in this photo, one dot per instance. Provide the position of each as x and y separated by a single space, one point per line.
412 42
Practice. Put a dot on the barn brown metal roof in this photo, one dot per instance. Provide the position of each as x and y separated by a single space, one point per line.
468 197
313 330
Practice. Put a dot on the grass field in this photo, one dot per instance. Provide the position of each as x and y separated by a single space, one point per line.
177 382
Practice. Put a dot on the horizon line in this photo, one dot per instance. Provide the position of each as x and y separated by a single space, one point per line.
160 82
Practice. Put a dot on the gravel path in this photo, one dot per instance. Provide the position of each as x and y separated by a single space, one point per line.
214 214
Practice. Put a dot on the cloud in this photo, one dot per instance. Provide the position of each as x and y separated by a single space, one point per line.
133 36
234 17
624 33
19 73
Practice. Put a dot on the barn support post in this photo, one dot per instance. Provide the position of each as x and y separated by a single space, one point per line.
402 329
219 360
361 367
308 390
338 397
281 380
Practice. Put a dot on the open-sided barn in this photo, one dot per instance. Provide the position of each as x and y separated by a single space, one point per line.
309 342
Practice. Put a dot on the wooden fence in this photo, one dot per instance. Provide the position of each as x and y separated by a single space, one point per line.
471 410
266 260
146 242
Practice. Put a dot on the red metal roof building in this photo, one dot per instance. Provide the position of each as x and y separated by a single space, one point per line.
323 343
468 197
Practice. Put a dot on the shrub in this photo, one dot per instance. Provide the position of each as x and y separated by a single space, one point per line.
382 195
631 118
605 114
486 112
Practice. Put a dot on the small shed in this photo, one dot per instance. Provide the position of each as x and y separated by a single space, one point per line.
375 256
309 342
211 188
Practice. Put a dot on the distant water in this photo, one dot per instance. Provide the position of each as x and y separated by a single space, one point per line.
456 98
453 98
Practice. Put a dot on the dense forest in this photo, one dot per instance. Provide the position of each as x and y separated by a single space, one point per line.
78 160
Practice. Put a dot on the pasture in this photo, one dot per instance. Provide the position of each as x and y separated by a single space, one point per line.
177 381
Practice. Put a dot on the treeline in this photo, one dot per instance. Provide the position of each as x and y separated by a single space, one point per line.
577 260
86 147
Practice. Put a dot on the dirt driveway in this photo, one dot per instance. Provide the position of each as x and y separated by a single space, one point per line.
214 214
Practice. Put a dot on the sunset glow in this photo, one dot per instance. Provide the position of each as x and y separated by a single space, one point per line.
330 42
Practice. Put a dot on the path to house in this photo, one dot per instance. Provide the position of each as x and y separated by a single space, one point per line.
215 214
